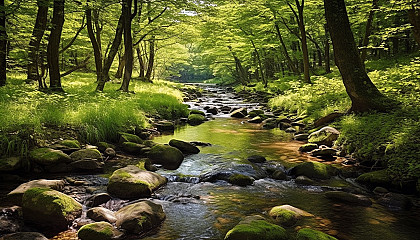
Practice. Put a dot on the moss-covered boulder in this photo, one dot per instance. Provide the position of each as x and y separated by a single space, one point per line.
86 154
283 216
314 170
49 209
99 214
279 175
48 156
70 143
256 119
169 157
239 113
196 119
257 159
127 137
24 236
194 111
98 230
165 126
16 195
140 217
256 112
102 146
308 147
324 136
375 178
240 180
349 198
255 227
310 234
10 164
184 147
132 182
133 148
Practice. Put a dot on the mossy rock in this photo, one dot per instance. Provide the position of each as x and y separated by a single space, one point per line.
24 236
197 112
102 146
86 154
375 178
97 230
239 113
314 170
70 143
254 113
140 217
127 137
240 180
165 126
308 147
349 198
16 195
10 164
50 209
310 234
255 227
133 148
196 119
132 182
283 216
48 156
169 157
324 136
184 147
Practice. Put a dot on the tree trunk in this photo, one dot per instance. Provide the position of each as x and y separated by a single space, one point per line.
327 51
141 63
121 66
242 74
111 55
37 34
263 77
95 44
128 45
368 30
305 52
151 62
414 18
363 93
54 46
285 52
3 44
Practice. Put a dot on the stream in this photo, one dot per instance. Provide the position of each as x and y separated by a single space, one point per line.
207 210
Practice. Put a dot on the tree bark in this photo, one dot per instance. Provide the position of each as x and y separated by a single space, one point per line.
151 62
414 18
141 63
121 66
263 77
128 45
37 34
116 42
285 52
54 46
95 44
327 51
363 93
368 30
242 74
3 44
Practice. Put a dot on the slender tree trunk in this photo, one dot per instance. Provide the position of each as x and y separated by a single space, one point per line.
362 92
37 34
414 18
116 42
95 44
141 63
368 30
263 77
305 52
128 45
3 44
285 52
242 74
151 62
121 66
54 46
327 50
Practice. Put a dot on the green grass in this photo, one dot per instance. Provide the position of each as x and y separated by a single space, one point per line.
97 116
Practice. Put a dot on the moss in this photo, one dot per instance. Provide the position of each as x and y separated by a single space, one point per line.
376 178
257 229
127 137
10 164
196 119
240 180
315 170
71 143
47 156
283 216
132 147
310 234
98 230
86 153
197 112
308 147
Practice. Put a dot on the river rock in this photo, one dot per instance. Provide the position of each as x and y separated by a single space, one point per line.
314 170
279 174
169 157
375 178
256 119
395 201
308 147
257 159
101 214
301 137
98 230
310 234
127 137
380 190
194 111
269 123
256 227
102 146
86 165
225 109
16 195
291 130
140 217
86 154
255 113
324 136
110 153
49 208
98 199
240 180
165 126
324 152
284 125
184 147
283 217
133 148
24 236
213 110
70 144
196 119
131 182
304 180
239 113
349 198
10 164
48 156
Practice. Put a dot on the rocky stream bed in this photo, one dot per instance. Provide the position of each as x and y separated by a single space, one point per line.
231 170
